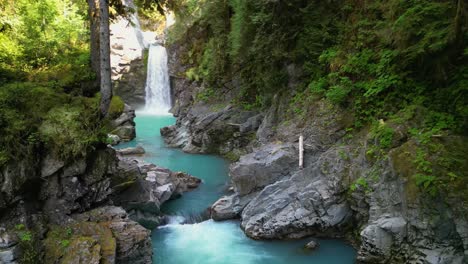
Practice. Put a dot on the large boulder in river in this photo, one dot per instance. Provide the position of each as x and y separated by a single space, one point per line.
229 207
307 203
263 167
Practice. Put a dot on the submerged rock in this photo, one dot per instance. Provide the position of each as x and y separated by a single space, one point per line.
312 245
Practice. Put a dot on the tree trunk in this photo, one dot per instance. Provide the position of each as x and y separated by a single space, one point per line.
104 51
93 13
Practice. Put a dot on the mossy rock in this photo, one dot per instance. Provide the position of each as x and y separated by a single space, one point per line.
83 250
85 242
445 157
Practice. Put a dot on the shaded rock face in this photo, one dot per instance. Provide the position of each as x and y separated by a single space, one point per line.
204 131
49 194
57 187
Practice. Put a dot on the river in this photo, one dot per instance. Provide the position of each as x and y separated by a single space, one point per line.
210 242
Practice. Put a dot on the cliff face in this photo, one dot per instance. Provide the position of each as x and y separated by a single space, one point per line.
90 209
348 188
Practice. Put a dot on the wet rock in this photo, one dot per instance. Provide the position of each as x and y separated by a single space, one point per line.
223 209
139 150
229 207
185 182
312 245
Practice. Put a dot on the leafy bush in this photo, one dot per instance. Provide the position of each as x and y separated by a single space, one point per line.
71 130
382 133
32 115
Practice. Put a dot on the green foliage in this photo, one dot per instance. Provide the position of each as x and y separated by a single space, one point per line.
360 183
205 95
65 243
44 40
71 130
231 156
28 244
33 115
382 133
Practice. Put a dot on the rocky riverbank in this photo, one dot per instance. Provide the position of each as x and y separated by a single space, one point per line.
90 210
345 189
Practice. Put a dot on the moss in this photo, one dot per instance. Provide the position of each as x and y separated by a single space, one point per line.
231 156
401 162
116 107
437 168
85 239
29 245
71 130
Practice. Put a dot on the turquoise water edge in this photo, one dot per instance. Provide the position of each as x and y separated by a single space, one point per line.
212 242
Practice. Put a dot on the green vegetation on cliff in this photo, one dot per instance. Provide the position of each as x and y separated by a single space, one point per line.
390 64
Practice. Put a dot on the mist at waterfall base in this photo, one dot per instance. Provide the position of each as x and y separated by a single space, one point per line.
212 242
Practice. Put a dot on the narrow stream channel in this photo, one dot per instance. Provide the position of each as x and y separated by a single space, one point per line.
212 242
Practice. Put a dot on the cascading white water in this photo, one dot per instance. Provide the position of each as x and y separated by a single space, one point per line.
158 91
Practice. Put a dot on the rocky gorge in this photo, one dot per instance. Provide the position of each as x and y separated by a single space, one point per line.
344 190
90 210
340 123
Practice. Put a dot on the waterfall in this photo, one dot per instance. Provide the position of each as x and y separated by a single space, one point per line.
158 91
